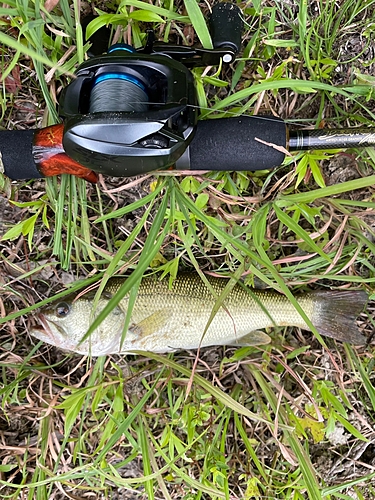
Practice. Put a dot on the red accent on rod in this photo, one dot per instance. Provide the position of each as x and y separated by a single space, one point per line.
51 159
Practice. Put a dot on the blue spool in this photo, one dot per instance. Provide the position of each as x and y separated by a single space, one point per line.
118 91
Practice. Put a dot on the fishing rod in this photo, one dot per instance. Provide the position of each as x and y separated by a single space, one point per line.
128 112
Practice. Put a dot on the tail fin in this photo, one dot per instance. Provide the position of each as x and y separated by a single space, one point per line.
336 313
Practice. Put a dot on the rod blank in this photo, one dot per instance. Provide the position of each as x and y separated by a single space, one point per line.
331 139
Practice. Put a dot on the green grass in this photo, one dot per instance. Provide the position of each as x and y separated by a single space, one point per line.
231 423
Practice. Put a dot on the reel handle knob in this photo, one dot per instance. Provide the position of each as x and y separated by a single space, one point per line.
225 24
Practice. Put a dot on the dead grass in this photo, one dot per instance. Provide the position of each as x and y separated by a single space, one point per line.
293 420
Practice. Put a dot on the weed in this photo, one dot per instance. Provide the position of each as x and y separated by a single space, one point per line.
224 423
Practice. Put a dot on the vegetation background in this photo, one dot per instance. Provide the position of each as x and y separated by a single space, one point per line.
293 420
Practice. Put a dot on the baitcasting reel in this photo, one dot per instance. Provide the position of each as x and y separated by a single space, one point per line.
130 112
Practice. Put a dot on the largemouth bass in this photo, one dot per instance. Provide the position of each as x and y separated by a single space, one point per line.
169 319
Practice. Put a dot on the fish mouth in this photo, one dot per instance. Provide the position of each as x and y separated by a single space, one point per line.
45 326
44 329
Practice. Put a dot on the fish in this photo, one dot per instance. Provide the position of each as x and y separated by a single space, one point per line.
170 318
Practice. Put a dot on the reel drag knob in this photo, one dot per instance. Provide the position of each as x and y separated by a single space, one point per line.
154 142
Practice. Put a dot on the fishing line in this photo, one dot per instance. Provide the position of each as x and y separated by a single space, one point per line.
118 92
122 92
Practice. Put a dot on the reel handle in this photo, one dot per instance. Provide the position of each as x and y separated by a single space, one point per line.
243 143
226 25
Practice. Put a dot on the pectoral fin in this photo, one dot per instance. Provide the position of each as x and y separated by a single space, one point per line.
257 337
150 325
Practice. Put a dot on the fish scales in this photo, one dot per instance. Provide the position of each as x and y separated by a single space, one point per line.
167 319
181 314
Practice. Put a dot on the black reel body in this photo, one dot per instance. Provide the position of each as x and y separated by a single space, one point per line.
128 113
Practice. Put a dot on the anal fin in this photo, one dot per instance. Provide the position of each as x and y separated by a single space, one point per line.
256 337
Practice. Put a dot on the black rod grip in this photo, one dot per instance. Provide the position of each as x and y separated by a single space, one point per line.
225 24
243 143
16 149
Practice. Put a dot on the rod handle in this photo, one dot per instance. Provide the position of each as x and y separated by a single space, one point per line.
242 143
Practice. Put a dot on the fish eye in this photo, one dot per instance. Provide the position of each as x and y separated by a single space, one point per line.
62 309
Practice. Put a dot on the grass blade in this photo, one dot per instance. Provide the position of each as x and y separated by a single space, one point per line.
198 22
